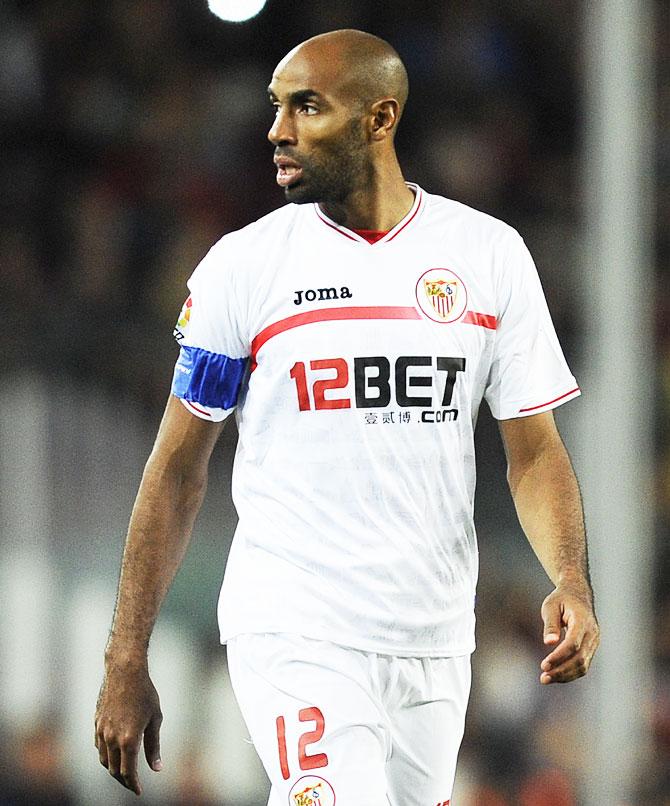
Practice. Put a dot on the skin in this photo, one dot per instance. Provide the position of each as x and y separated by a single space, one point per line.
171 491
549 507
338 99
341 134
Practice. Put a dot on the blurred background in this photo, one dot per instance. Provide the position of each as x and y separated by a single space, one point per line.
132 136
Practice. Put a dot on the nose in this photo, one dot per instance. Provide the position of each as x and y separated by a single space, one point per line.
283 130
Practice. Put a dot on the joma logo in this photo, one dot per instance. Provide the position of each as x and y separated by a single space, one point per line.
312 294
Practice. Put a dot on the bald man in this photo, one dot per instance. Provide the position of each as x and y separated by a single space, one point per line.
354 332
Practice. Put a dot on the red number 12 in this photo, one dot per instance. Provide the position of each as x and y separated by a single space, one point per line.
322 386
306 762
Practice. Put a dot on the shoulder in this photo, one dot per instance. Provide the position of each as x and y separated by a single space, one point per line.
485 228
237 252
254 237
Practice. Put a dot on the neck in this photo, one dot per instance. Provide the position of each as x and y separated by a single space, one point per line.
380 205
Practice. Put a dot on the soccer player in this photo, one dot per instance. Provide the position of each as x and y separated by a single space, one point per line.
354 333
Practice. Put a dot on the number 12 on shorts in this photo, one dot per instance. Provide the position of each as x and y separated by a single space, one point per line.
306 762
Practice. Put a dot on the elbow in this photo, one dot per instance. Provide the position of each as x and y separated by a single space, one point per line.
183 483
191 490
513 479
521 467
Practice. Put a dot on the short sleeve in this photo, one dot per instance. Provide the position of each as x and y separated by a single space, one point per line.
528 372
213 355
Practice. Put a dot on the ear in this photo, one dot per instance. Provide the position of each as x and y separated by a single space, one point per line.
384 118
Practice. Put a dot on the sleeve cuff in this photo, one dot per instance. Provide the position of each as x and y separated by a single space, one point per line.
205 412
538 408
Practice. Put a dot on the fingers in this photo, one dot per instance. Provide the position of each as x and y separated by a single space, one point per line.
128 765
128 709
551 616
152 749
102 748
571 659
568 647
119 756
114 762
573 668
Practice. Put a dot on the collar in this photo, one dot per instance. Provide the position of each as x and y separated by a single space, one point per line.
352 235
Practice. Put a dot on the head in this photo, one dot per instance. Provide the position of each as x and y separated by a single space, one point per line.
338 99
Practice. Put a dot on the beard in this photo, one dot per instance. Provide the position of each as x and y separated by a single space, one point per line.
330 176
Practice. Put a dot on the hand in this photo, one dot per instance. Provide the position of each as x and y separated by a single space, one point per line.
569 609
128 709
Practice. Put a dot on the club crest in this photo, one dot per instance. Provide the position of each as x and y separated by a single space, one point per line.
310 790
441 295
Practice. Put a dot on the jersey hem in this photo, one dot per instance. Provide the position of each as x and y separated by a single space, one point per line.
397 651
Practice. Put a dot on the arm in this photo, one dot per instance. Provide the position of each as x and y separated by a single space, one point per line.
168 500
548 503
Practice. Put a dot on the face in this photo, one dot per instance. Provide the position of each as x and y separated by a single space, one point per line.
321 150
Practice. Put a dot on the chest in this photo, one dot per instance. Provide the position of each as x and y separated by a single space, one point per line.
408 326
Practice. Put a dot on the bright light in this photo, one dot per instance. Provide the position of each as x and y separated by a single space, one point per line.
236 10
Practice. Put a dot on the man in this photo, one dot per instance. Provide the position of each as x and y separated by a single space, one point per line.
354 333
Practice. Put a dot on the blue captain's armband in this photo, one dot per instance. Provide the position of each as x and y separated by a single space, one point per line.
211 379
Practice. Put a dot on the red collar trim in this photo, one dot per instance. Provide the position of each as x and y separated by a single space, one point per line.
362 236
371 235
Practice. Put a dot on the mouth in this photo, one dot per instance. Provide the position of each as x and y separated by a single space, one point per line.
288 171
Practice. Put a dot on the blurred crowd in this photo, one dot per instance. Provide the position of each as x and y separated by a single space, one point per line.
132 136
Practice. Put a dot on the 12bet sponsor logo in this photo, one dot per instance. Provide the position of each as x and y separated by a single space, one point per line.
319 384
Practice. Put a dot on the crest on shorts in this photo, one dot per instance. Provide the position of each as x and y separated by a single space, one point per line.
184 319
310 790
441 295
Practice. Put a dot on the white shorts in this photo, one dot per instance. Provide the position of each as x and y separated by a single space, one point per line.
335 724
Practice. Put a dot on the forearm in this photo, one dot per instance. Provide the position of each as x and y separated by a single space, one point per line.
549 506
159 532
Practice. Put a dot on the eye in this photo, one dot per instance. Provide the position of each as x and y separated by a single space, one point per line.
308 109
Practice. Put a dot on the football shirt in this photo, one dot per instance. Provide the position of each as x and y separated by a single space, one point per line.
356 371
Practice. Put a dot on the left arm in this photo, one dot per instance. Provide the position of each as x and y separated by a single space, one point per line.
548 503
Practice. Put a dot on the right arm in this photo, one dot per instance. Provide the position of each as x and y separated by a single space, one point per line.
169 498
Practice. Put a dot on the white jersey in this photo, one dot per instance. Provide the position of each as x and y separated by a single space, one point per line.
356 371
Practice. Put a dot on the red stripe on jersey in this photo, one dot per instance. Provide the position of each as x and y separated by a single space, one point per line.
329 315
363 312
481 319
193 406
343 230
549 402
332 226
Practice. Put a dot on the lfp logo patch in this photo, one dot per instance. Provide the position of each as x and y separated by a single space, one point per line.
184 319
310 790
441 295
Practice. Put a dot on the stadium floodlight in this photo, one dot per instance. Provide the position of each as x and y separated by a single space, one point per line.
236 10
